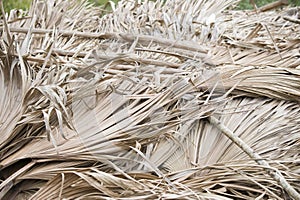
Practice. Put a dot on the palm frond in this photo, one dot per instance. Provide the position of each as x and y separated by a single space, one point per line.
100 105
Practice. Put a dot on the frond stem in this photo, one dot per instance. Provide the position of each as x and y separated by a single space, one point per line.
273 172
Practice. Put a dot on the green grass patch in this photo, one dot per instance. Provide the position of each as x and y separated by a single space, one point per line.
245 5
24 4
101 2
16 4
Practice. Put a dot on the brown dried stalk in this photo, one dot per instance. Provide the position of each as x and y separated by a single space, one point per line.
273 5
273 172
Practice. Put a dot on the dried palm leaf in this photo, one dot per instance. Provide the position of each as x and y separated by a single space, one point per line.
152 100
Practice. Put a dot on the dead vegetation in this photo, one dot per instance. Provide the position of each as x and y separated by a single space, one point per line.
154 100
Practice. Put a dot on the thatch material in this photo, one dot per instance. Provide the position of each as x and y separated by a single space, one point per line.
133 104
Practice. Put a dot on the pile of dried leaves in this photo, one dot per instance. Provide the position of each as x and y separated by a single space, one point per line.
152 100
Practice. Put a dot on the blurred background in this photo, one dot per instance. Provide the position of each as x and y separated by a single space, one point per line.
244 4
